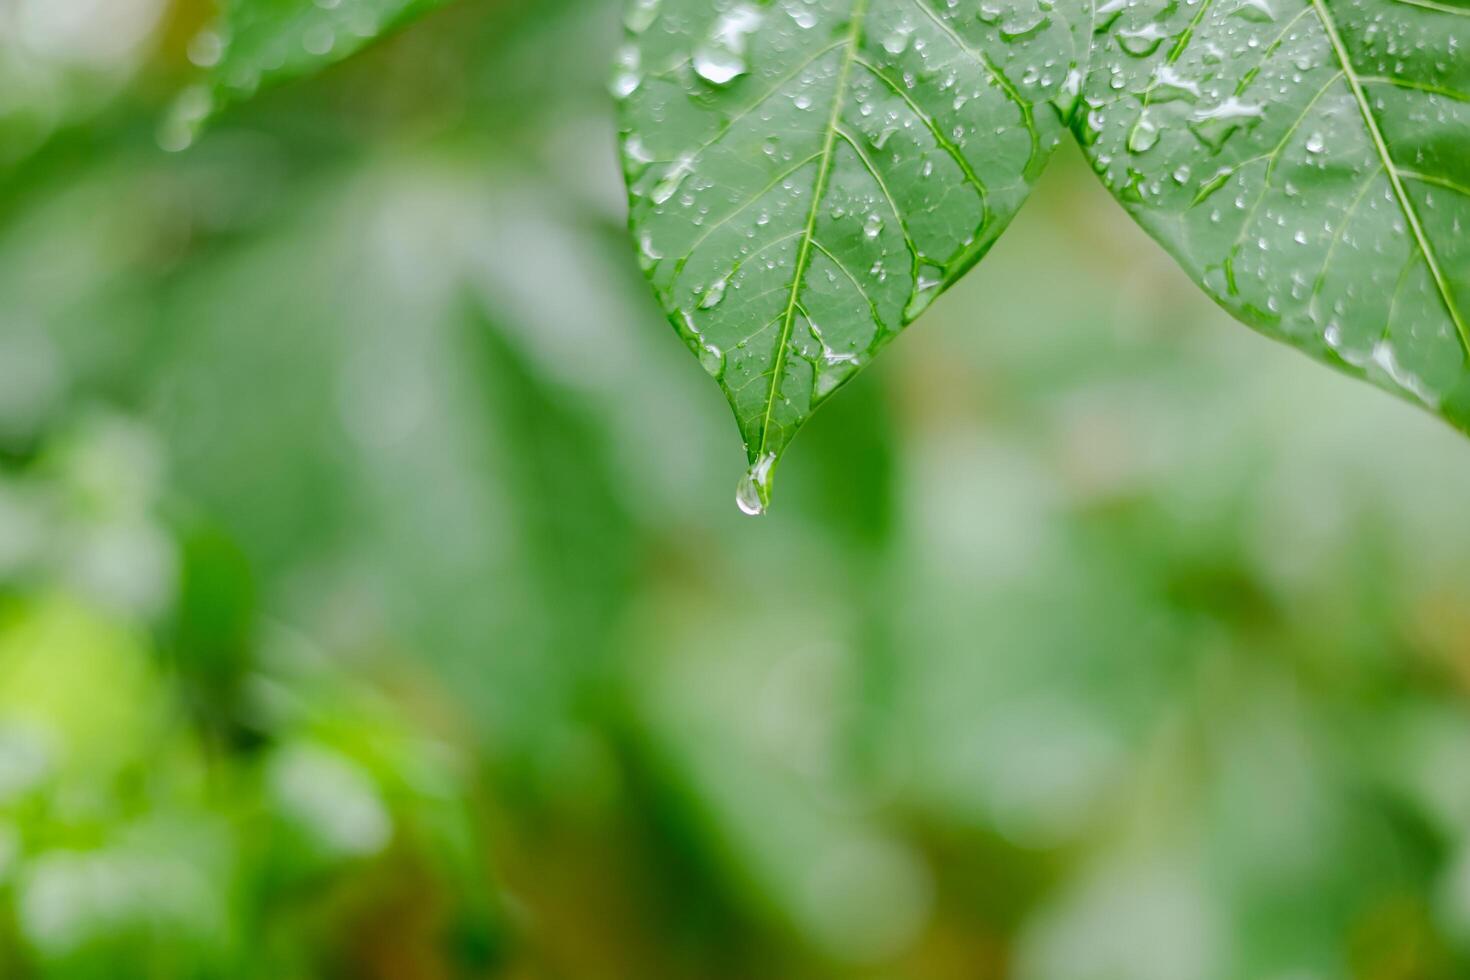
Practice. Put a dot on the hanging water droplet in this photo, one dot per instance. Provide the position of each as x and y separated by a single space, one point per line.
753 492
722 57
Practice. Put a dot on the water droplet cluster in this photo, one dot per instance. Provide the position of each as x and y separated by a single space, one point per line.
1309 162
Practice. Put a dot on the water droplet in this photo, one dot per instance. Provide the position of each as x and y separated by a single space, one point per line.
873 226
1134 190
1108 12
1255 10
206 48
669 185
1315 143
753 492
1142 42
648 254
722 57
640 14
926 288
636 155
1216 125
184 119
1091 128
1023 23
897 40
1067 96
1170 86
318 40
805 19
626 76
714 294
1144 135
712 359
1385 358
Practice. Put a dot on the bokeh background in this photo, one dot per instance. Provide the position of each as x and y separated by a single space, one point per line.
373 601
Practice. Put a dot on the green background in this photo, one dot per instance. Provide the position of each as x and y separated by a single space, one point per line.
374 604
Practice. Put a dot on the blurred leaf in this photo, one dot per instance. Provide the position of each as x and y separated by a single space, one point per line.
1308 164
94 729
804 182
259 42
214 623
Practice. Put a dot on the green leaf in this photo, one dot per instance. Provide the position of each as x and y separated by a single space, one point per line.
257 43
806 177
1308 162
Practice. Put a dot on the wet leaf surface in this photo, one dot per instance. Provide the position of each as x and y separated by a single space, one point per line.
807 177
1307 162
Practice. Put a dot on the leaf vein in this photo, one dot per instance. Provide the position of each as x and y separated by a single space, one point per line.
1014 94
943 141
859 13
1411 214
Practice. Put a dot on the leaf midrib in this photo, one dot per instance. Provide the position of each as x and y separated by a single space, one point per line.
824 169
1411 214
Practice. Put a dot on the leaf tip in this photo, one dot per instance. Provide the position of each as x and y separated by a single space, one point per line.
753 492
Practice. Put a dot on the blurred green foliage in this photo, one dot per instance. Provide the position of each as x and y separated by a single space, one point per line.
373 603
